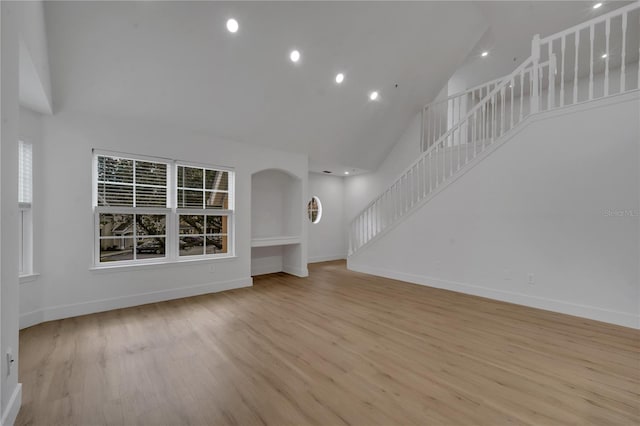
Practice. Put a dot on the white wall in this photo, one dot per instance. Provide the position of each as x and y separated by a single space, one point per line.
35 81
327 238
10 389
66 285
544 203
362 189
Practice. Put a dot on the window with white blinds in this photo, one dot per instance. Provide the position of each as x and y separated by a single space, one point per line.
131 183
153 210
25 173
25 199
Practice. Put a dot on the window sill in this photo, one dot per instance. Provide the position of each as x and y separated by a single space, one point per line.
157 265
27 278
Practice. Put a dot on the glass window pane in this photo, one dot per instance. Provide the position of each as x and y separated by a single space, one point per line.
115 195
151 173
217 200
151 224
112 169
191 246
116 249
150 248
151 197
217 244
216 180
116 225
191 224
217 224
190 177
190 199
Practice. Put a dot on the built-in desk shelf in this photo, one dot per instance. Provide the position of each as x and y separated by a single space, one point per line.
275 241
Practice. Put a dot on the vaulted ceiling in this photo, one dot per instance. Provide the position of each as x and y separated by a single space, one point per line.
175 63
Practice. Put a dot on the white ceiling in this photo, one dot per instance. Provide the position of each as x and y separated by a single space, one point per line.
175 63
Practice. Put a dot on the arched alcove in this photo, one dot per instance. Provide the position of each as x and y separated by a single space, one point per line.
276 221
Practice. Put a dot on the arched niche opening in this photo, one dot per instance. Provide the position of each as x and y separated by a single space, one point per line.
276 222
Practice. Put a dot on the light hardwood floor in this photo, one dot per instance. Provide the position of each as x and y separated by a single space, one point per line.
336 348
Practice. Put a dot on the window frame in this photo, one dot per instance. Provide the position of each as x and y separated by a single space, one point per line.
229 212
172 213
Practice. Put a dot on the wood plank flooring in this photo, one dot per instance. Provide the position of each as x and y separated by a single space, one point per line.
336 348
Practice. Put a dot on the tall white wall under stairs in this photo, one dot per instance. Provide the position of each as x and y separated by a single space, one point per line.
550 218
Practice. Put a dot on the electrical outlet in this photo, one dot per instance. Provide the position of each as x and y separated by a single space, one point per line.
531 279
212 269
507 274
10 361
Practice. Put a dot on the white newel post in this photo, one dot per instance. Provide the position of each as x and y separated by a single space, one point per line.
535 56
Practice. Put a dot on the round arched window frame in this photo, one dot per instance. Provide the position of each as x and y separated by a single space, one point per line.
314 210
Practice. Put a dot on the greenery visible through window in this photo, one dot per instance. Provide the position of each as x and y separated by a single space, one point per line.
138 218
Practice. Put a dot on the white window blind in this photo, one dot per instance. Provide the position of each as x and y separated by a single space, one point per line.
25 174
126 182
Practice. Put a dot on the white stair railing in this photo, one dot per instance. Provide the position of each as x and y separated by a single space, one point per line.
532 87
440 115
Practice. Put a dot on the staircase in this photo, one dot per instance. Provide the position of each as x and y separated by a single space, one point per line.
598 58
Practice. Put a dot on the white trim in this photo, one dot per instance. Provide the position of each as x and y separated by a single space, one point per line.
591 312
75 309
184 261
13 407
275 241
27 278
327 258
294 270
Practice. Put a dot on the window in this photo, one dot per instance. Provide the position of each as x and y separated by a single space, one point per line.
154 210
314 210
25 196
203 208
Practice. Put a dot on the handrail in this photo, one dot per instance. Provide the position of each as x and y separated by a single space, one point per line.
587 24
464 92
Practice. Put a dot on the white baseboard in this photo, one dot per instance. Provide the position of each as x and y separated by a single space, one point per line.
73 310
13 407
294 270
327 258
584 311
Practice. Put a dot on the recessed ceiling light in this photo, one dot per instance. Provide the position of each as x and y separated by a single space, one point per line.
485 53
339 78
597 5
232 25
346 173
373 96
604 55
294 56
